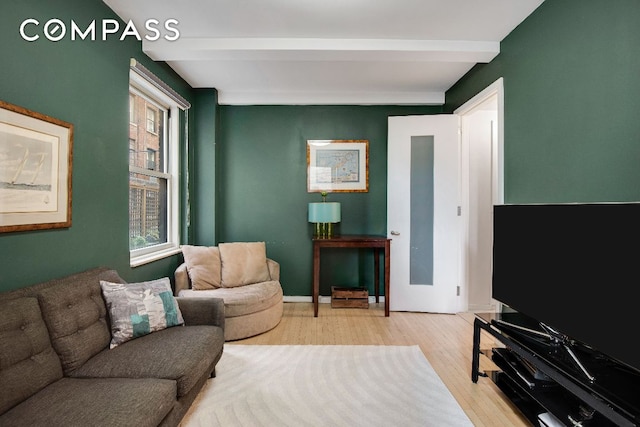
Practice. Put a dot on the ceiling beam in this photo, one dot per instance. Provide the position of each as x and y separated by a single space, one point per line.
313 49
231 97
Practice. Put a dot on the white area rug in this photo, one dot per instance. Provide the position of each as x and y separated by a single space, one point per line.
313 385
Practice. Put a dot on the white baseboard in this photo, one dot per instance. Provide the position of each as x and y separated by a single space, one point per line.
481 308
322 300
293 298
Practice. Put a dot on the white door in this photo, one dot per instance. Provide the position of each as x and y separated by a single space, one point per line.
479 132
422 213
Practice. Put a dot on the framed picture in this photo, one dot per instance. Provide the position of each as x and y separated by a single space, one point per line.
35 172
336 165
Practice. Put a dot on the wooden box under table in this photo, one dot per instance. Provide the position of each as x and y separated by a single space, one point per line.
349 297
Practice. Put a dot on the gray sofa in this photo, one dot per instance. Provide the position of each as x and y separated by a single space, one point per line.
56 368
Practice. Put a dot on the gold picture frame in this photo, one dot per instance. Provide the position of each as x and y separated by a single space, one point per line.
35 178
338 165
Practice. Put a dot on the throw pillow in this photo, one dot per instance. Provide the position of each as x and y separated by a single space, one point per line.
203 266
243 263
137 309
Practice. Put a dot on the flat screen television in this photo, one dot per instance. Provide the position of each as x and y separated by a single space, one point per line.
575 268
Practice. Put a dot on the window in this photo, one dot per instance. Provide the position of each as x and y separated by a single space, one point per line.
151 158
151 120
132 150
153 169
132 109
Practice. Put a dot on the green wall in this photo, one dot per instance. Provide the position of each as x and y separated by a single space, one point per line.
202 194
572 102
572 97
84 83
262 181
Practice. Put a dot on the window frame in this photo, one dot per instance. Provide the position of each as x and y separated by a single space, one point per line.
141 86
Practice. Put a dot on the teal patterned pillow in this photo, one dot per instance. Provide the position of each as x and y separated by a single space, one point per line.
137 309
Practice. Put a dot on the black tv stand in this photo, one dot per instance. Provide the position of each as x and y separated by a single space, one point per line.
580 387
557 340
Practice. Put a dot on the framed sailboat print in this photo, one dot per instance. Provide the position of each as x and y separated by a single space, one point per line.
35 170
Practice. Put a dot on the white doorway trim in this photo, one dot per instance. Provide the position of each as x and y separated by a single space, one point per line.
493 91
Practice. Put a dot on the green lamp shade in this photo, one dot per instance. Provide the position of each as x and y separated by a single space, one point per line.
324 212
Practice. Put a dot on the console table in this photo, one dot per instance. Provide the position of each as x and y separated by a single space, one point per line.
378 243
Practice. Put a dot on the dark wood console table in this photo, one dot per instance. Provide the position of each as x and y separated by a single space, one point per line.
376 242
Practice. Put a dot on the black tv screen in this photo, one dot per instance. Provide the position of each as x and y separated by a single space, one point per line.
574 267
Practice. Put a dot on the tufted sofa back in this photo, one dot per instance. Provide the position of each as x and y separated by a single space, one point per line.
75 314
28 362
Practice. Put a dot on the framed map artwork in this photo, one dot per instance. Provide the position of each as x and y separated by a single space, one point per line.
337 165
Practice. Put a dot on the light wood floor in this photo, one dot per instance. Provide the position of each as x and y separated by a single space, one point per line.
445 339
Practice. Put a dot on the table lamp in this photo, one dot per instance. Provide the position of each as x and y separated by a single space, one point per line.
324 214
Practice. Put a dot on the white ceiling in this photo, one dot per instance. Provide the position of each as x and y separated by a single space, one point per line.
327 51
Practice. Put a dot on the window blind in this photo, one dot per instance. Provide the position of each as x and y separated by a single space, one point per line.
162 86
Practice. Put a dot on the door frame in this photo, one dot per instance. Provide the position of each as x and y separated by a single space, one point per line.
497 180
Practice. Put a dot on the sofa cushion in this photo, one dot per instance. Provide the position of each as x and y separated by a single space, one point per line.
28 362
203 266
76 316
243 263
137 309
96 402
181 354
242 300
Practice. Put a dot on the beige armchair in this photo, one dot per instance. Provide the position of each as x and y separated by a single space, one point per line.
240 274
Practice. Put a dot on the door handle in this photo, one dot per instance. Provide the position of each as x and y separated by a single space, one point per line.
395 233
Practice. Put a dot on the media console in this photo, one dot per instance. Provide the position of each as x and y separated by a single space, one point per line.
579 387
